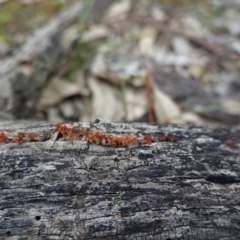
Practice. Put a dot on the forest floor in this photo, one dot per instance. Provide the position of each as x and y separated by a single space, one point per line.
156 61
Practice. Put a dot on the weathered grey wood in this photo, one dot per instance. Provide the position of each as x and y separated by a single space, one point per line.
69 190
26 72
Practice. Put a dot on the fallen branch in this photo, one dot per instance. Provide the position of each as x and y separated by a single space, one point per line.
213 48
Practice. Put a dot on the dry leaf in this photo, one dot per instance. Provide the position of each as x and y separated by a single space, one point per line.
164 106
56 91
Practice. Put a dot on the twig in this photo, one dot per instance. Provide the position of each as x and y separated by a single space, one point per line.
149 95
211 47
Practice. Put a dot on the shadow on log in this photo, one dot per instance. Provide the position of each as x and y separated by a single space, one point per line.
72 190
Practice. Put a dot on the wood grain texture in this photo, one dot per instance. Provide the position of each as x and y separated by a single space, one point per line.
72 190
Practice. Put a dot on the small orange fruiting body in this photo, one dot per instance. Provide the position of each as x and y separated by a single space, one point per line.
31 137
19 139
167 139
92 138
231 145
148 140
74 132
3 138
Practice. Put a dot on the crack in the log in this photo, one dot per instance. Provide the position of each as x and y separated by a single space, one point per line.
222 179
190 178
100 194
79 168
27 187
42 197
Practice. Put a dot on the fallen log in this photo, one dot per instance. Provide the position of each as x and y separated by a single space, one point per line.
52 187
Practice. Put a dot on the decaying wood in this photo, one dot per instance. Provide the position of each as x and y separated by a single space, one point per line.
69 190
26 72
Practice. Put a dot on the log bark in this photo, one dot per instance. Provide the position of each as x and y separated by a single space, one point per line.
63 189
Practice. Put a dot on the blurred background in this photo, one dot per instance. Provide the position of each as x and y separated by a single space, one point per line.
153 61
